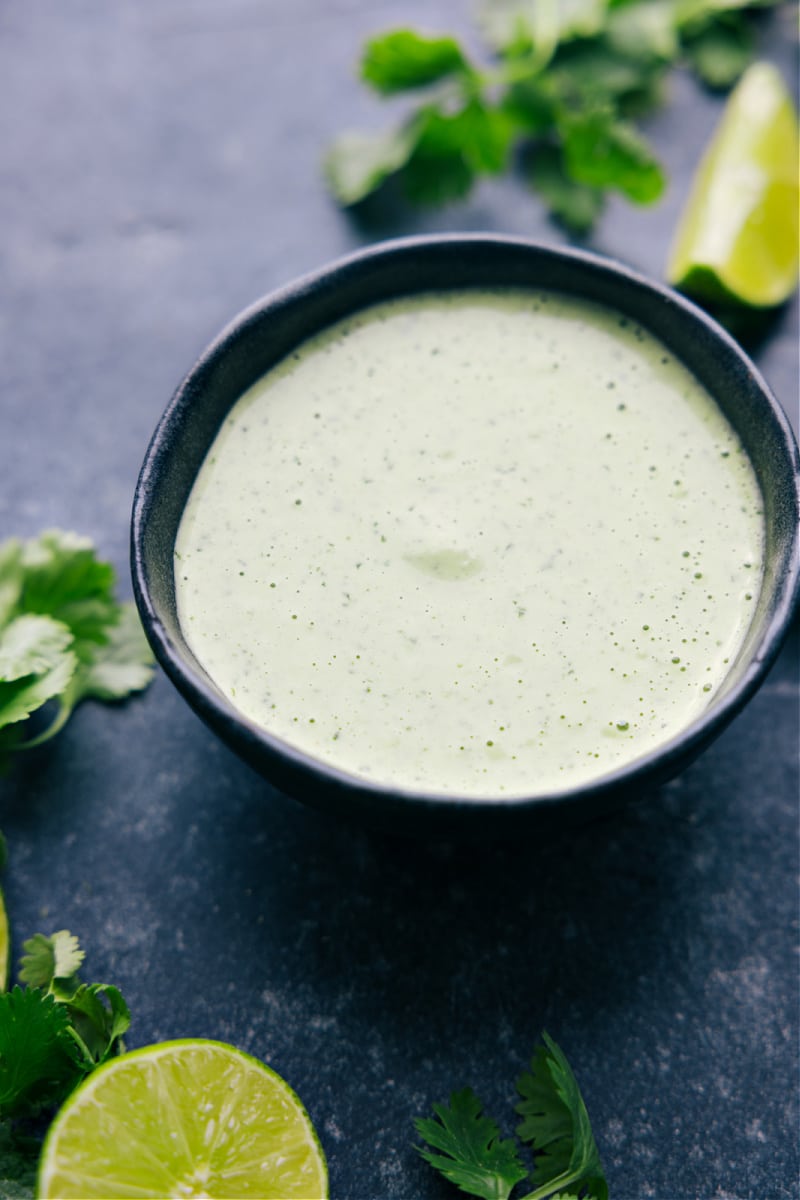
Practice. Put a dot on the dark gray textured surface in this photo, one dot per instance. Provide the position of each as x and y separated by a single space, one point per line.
159 169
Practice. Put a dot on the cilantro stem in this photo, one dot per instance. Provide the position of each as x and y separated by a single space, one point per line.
518 70
553 1186
466 1145
58 722
544 22
544 26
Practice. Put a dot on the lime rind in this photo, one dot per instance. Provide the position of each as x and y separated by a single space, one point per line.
738 240
184 1118
4 944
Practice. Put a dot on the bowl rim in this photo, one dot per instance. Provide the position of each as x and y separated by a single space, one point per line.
360 795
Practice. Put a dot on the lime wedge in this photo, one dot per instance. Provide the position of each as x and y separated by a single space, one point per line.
3 945
738 237
181 1119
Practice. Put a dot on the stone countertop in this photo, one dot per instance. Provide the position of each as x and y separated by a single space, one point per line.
159 171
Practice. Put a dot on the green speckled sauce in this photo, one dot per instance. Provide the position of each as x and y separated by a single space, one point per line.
482 543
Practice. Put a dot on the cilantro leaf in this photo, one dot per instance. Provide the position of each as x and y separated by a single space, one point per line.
466 1147
506 25
510 25
556 1124
99 1017
403 59
485 135
436 155
604 152
596 72
575 205
471 1153
720 51
63 635
531 104
357 164
124 664
50 958
644 29
436 175
38 1057
452 148
20 697
64 579
31 645
691 15
113 671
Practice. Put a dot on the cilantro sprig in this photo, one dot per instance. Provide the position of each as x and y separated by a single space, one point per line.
63 637
562 89
466 1146
55 1030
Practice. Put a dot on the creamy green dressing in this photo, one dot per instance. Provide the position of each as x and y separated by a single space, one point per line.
488 543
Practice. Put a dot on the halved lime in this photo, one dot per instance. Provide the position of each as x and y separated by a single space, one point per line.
738 237
181 1119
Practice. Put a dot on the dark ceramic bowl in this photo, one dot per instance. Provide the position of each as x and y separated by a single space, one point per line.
265 333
